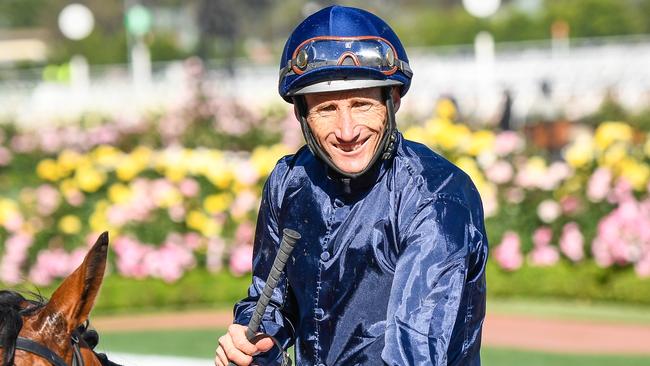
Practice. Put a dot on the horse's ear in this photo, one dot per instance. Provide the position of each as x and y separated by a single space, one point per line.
75 297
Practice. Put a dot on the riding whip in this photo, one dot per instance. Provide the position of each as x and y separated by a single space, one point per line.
289 238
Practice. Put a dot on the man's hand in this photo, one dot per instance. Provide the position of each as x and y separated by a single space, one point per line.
235 347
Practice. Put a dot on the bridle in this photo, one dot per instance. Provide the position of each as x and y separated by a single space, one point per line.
38 349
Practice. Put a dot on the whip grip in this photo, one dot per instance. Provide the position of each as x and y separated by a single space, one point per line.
289 238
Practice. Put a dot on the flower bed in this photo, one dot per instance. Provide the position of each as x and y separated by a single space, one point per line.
179 189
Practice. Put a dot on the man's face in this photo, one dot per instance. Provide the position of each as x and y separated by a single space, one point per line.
348 125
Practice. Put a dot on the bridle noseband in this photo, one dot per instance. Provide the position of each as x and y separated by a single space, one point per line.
38 349
35 348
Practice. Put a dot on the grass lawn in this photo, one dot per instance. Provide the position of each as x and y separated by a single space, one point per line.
574 310
201 344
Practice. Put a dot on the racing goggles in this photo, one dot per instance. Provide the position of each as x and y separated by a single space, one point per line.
369 52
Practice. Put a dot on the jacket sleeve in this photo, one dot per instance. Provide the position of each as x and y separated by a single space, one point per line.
433 318
279 318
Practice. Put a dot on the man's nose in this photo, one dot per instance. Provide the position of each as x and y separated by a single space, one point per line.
346 125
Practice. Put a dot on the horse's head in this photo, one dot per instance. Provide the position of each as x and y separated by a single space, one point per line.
44 334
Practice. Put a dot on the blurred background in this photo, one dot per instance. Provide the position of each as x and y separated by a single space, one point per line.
159 121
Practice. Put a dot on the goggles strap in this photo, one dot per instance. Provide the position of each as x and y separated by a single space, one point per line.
386 146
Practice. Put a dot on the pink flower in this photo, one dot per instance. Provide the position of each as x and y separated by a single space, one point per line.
515 195
572 242
508 252
642 267
48 199
544 255
508 142
245 202
542 236
15 254
214 260
246 173
623 236
5 156
548 211
569 204
241 259
54 263
598 185
75 198
193 241
500 172
177 213
622 191
14 222
189 187
245 233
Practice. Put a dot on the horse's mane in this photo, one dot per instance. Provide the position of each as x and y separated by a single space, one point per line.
13 306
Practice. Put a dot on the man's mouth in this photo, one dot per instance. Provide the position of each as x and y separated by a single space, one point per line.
351 146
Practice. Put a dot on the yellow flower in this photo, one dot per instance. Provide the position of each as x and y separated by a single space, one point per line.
48 169
8 209
221 178
127 169
68 161
636 173
580 153
416 133
107 156
469 166
175 173
449 136
98 221
70 224
169 198
609 132
68 187
481 141
196 220
613 155
89 179
446 109
119 193
142 155
211 228
264 158
217 203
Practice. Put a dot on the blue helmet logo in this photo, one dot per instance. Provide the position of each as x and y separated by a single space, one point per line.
342 48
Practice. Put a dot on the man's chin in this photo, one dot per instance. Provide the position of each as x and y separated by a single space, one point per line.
350 168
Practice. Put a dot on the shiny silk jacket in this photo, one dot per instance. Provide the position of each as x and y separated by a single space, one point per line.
390 266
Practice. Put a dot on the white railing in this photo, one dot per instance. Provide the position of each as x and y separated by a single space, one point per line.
579 75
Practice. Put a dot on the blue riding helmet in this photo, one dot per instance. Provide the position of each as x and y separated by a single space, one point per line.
342 48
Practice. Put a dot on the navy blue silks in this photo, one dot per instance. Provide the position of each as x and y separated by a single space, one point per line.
389 273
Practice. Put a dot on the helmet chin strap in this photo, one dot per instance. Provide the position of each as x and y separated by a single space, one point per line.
384 149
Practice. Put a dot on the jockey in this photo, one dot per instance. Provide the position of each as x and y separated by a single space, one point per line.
390 268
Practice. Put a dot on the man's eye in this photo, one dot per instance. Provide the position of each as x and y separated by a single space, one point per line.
362 106
327 109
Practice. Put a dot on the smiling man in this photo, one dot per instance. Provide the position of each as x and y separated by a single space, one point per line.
390 266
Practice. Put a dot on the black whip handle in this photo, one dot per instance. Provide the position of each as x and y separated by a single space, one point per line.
289 239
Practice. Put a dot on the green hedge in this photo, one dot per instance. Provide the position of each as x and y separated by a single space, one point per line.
201 289
585 281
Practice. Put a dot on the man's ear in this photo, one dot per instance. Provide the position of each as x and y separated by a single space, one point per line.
397 98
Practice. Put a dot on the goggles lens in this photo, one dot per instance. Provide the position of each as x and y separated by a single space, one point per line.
370 52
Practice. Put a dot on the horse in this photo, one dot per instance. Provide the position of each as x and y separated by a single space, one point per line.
42 333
